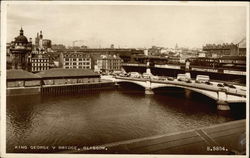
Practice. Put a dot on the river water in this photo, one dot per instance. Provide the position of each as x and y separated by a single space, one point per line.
105 116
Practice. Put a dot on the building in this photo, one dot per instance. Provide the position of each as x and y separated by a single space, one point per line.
39 62
46 43
69 60
233 63
22 78
58 47
125 54
228 63
19 51
213 50
155 51
8 57
42 44
242 47
60 76
108 63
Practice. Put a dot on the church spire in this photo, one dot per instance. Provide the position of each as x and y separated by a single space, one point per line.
41 35
21 31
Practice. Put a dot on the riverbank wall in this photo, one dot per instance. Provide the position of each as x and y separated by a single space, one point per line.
23 91
59 89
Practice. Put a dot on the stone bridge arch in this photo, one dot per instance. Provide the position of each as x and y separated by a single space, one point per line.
141 84
222 98
210 94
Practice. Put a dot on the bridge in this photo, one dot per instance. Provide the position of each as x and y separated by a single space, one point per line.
223 95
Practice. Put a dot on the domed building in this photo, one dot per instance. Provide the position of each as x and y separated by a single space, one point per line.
20 50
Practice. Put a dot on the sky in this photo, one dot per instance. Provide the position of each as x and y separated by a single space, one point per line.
128 26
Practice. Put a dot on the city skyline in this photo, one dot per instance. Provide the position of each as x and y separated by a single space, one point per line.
124 26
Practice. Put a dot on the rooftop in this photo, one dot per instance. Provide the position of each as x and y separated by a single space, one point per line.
223 57
234 57
76 55
21 74
60 73
108 57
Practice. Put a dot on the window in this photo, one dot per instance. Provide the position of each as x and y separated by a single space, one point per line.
74 63
74 59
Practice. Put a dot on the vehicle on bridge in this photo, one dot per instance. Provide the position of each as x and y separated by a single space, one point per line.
202 79
229 85
135 75
208 83
220 85
123 74
162 78
170 79
183 77
155 77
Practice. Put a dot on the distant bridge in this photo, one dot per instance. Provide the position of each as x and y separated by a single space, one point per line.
223 95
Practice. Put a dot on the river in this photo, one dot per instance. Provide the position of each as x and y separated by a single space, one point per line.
105 116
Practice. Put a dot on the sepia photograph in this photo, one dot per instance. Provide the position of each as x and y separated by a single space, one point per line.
124 78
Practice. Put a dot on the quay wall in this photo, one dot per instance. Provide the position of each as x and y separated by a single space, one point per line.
59 89
23 91
75 88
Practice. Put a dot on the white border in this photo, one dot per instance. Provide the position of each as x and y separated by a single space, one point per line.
248 73
3 70
3 78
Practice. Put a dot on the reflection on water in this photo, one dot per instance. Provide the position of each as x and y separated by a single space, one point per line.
107 116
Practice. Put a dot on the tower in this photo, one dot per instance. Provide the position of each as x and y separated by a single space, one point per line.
176 46
41 40
20 50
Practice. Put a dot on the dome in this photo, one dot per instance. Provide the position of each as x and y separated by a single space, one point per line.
21 38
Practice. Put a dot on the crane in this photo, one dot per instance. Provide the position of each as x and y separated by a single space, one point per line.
241 40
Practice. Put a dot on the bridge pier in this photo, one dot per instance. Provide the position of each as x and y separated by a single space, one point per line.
222 104
117 84
187 93
149 91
